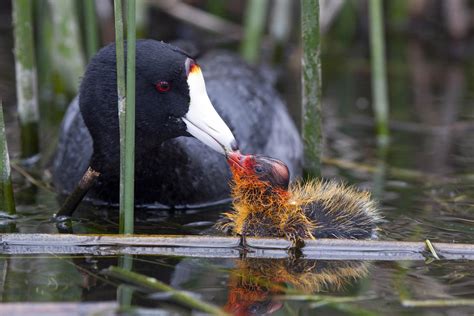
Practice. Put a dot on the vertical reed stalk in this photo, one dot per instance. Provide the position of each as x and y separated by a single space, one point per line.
91 29
6 188
126 110
398 12
26 81
379 73
280 27
254 24
44 32
66 52
129 141
121 98
141 18
311 87
120 61
52 99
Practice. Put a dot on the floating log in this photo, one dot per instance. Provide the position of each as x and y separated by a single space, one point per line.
47 308
227 247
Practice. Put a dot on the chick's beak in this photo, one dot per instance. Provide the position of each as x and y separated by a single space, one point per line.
235 159
243 163
202 120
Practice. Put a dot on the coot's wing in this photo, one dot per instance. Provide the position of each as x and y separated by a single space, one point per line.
74 150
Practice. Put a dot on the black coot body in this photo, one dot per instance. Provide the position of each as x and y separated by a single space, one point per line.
182 172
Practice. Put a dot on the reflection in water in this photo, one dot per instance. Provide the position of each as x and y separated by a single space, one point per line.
254 282
125 292
243 287
438 101
39 279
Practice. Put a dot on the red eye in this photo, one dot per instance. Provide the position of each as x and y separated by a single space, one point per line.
163 86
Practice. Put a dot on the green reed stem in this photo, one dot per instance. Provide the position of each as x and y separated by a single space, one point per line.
7 201
154 284
52 99
141 18
126 114
280 27
121 99
311 87
379 72
26 81
124 291
91 29
254 24
129 148
67 56
44 32
130 117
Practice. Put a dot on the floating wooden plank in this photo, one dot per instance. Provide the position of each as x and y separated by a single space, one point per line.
118 240
226 247
57 309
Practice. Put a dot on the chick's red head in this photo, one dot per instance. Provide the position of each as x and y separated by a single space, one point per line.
255 168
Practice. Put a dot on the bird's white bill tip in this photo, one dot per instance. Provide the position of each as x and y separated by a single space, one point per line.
202 120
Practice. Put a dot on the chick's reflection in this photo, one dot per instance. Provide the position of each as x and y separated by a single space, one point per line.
254 283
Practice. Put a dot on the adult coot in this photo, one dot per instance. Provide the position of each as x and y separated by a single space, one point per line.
171 170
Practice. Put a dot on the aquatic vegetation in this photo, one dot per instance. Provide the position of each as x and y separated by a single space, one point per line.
26 77
311 103
126 112
7 201
379 73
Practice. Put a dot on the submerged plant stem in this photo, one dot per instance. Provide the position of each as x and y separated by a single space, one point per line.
154 284
76 196
311 87
125 292
379 72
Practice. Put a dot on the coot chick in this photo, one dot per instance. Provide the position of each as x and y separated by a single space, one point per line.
172 171
265 204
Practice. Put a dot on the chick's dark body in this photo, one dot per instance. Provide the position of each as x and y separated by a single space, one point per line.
181 171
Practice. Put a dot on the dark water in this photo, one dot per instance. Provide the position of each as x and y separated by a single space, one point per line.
432 118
